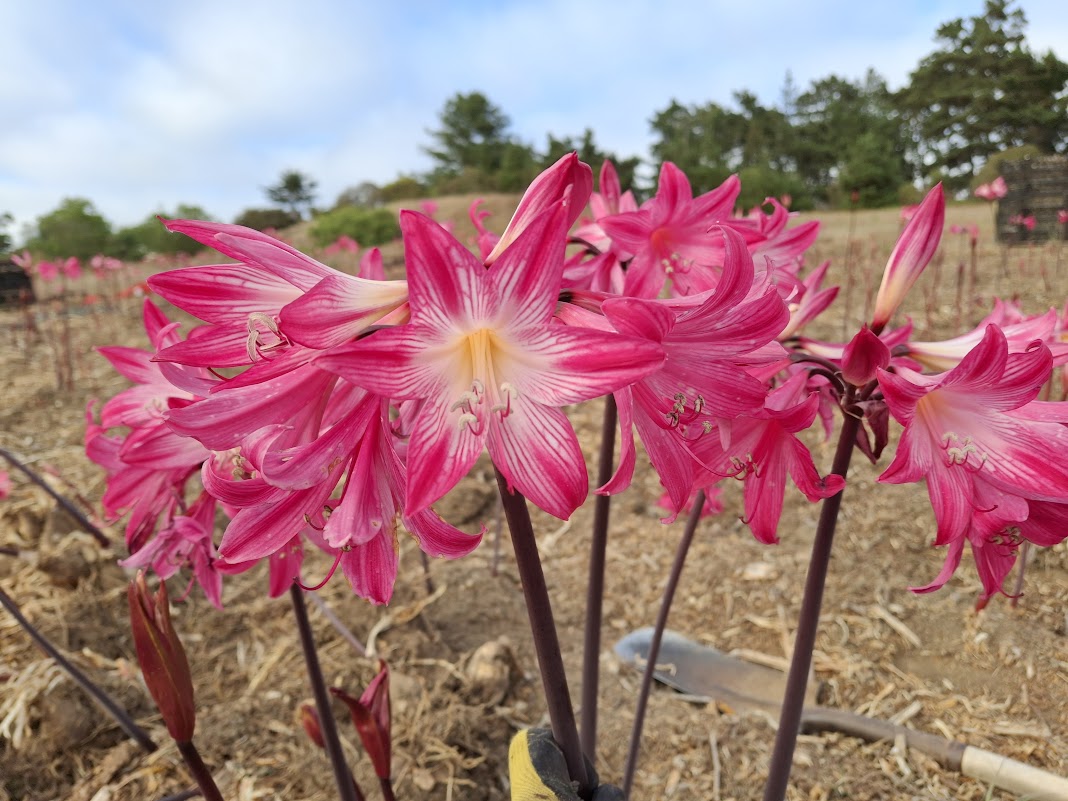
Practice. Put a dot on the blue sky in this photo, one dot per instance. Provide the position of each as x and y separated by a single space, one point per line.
140 106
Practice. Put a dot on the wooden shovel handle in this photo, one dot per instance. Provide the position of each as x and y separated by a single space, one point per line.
947 753
1031 783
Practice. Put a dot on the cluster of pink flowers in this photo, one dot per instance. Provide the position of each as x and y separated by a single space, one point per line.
995 190
1023 221
354 403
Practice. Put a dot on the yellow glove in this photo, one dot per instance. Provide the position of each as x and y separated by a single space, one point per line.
538 771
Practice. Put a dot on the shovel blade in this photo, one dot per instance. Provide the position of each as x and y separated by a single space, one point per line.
701 670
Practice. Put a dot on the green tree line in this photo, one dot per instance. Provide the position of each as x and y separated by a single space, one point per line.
982 95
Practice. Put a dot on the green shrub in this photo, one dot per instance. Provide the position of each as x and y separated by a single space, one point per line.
369 227
760 182
992 168
404 188
262 219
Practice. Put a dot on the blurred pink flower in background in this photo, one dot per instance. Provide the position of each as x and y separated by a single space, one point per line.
1023 221
343 244
47 270
995 190
71 268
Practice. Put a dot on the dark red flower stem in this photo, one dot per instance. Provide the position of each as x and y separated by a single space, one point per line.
658 635
387 789
68 507
201 774
327 725
543 629
119 715
809 617
591 649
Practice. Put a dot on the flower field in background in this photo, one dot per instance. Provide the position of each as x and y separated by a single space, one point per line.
994 677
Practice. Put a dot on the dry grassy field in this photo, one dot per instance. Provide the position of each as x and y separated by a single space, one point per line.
463 671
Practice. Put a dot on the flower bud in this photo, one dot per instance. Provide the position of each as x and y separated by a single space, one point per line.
309 719
162 658
911 254
549 188
863 356
371 716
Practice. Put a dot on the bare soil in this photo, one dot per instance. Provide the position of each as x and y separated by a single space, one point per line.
464 675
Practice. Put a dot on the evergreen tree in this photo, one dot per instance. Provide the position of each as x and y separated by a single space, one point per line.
473 135
294 191
983 91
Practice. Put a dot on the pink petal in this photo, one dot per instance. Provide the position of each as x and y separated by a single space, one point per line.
389 362
440 453
438 538
444 279
339 308
562 365
224 293
914 249
527 275
949 567
371 569
568 179
536 450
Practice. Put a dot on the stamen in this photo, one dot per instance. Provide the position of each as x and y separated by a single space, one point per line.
254 345
471 421
509 392
329 575
962 448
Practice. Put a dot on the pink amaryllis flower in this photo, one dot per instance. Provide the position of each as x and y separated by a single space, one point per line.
186 542
763 448
1000 524
702 381
491 366
71 268
669 235
149 465
914 249
49 271
995 190
977 431
243 303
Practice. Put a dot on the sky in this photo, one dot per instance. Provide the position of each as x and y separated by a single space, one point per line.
140 106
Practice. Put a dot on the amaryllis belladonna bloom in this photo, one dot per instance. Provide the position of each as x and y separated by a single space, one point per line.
975 433
492 368
995 190
669 235
702 381
763 448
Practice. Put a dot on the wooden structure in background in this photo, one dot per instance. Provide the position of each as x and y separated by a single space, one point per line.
1038 187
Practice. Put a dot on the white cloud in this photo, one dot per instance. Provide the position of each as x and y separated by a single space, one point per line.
142 106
